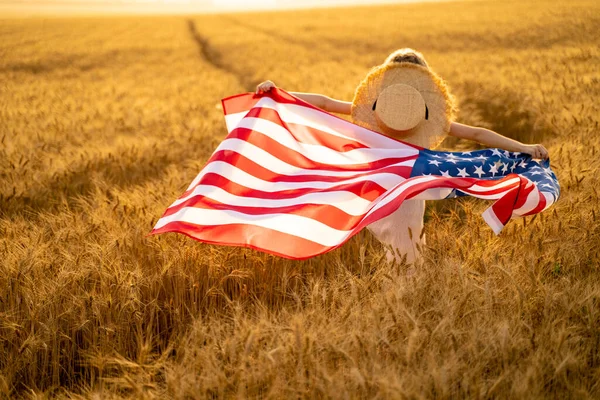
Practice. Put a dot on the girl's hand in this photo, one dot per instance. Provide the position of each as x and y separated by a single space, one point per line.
264 87
536 151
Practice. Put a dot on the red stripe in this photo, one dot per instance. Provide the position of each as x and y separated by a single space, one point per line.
491 182
306 134
324 213
503 208
245 101
368 190
255 169
491 191
525 188
299 160
251 236
540 206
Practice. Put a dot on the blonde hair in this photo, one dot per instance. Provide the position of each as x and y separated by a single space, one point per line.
407 55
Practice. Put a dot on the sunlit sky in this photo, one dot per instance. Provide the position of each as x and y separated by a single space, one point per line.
53 7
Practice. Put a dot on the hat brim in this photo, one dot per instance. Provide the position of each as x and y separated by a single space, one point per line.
428 133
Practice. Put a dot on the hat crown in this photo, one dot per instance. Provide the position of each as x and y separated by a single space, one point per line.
400 107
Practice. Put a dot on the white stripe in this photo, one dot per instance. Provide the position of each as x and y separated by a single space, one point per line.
241 177
318 153
343 200
532 201
273 163
277 166
492 220
232 120
292 224
550 199
321 120
477 188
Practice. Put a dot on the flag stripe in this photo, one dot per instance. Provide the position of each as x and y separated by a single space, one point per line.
306 134
241 138
359 185
346 201
303 227
275 170
291 163
367 190
256 237
333 217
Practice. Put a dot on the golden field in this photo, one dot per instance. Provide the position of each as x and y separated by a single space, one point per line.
105 121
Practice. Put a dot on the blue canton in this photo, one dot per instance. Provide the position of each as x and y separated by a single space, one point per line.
486 164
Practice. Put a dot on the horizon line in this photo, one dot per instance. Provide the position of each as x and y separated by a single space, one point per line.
22 9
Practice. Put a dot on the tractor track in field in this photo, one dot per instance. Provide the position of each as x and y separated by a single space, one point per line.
212 56
318 47
337 50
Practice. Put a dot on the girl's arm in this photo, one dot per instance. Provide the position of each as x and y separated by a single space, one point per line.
325 103
493 139
317 100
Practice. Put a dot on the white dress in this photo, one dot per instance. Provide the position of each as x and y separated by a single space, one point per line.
393 230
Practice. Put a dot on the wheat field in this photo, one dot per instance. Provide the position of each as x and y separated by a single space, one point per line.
104 121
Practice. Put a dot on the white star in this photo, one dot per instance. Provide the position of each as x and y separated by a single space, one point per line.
536 173
512 167
435 162
451 158
516 153
436 156
547 185
496 152
446 174
466 153
548 170
481 157
494 169
506 153
504 168
479 171
523 164
462 172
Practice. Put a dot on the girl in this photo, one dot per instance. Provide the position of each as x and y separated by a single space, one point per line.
402 229
481 135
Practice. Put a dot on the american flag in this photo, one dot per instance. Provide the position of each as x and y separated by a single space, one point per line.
293 180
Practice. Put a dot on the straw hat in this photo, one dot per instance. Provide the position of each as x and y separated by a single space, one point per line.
406 101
